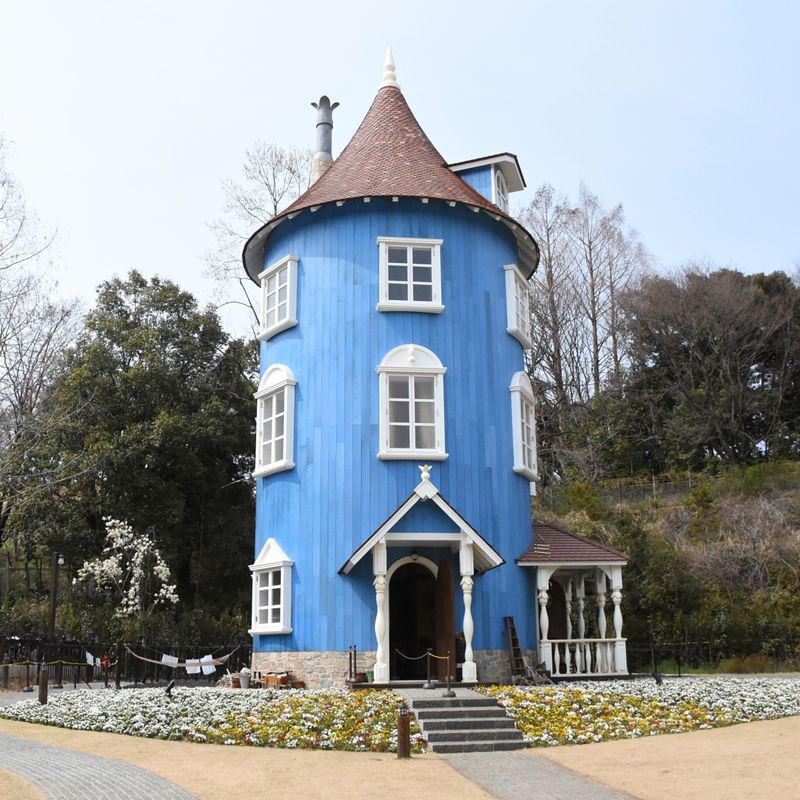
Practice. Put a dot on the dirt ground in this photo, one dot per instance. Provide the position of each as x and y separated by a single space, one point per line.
743 762
215 771
12 787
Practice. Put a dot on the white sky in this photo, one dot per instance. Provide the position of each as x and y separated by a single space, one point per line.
124 118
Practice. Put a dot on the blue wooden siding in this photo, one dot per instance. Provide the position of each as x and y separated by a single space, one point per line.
480 179
425 517
339 492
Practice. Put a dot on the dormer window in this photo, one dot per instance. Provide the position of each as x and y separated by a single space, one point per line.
278 297
410 275
500 190
272 591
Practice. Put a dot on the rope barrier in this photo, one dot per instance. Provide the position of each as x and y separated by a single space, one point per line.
218 662
410 658
57 661
424 655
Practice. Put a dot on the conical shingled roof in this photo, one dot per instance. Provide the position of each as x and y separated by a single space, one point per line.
389 156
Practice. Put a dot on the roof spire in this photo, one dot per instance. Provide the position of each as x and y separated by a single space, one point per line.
389 76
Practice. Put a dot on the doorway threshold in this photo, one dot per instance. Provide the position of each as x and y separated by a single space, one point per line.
417 684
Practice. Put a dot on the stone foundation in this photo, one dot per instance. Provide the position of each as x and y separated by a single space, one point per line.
494 666
318 669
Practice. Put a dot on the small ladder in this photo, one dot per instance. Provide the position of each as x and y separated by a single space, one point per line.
520 671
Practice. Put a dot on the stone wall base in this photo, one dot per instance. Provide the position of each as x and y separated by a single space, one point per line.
494 666
318 669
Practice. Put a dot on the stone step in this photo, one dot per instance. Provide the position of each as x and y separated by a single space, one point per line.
462 713
455 702
465 723
476 735
476 747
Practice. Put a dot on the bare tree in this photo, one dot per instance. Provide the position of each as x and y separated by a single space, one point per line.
272 177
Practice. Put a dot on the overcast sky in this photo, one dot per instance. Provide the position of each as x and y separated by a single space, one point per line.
124 118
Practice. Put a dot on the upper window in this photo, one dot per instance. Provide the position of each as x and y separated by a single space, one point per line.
275 421
524 426
411 404
500 190
517 306
272 591
278 297
410 275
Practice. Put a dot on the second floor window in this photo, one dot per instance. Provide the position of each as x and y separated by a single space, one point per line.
278 297
410 275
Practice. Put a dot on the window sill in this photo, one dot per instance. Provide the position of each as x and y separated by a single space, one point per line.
266 335
526 473
520 337
272 468
400 305
268 631
411 455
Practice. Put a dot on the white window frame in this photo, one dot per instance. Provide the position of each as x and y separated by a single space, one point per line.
271 561
432 306
412 360
524 431
518 312
277 379
289 319
500 190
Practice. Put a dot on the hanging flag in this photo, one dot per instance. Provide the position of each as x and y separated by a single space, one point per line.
169 661
192 666
89 659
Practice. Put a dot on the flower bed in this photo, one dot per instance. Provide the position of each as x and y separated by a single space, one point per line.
578 713
324 719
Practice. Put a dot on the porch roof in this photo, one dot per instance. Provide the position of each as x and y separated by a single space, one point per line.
553 545
486 557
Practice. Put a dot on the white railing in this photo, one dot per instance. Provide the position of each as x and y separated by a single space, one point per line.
584 656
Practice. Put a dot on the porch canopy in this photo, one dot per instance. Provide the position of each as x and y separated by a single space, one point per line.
476 555
571 569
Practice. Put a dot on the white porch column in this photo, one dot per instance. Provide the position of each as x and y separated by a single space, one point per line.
620 646
380 668
580 598
600 587
469 670
545 647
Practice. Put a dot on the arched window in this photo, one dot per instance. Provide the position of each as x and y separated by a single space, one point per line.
500 190
275 421
411 404
523 424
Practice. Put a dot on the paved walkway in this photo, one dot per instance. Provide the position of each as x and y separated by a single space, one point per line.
517 774
62 774
520 775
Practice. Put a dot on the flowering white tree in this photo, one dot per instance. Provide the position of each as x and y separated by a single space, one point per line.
132 568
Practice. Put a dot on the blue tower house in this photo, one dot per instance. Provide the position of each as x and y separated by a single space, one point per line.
395 449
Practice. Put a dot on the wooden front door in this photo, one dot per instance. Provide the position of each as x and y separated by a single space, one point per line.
445 620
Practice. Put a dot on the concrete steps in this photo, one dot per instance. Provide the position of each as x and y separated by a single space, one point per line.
467 723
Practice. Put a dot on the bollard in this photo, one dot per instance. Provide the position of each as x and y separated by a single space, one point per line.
117 675
448 692
403 732
28 687
429 683
4 670
43 685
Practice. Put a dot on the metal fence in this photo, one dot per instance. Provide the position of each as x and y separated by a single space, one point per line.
113 663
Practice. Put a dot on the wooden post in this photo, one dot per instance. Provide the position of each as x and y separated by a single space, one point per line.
403 732
43 685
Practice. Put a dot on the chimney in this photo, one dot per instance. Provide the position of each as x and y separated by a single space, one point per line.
323 158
